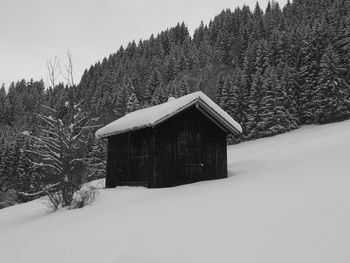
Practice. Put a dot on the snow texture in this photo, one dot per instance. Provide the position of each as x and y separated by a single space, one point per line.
26 133
156 114
286 200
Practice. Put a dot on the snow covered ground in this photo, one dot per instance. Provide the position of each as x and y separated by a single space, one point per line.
287 199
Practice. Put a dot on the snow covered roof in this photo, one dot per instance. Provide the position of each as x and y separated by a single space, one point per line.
155 115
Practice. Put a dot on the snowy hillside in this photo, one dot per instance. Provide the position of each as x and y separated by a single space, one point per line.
287 199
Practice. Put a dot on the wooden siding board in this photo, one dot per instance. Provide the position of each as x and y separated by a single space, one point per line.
109 177
184 143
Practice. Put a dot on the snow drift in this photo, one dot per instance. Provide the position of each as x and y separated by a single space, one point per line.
286 200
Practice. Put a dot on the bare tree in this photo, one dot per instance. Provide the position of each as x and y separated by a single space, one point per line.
56 152
53 69
68 75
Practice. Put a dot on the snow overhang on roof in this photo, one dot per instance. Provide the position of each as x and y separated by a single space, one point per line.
151 117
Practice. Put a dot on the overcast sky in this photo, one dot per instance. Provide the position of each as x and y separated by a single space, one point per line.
33 31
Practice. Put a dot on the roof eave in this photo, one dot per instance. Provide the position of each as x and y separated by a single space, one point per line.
123 131
216 118
208 111
174 113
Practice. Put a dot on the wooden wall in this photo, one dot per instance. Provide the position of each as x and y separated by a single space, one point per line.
189 148
129 158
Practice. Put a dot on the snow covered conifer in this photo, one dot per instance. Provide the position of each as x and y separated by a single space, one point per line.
3 169
171 68
262 60
237 104
132 104
172 89
223 97
343 44
121 96
266 113
159 96
311 52
289 82
97 160
332 93
219 87
284 109
154 81
183 87
254 105
2 101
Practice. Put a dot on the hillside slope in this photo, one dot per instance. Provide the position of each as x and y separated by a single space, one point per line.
286 200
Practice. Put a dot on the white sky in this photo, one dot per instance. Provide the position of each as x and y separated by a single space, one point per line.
33 31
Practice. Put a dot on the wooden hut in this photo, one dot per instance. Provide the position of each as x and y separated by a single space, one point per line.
177 142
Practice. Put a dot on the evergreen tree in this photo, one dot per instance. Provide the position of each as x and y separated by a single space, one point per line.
284 110
121 96
236 104
249 62
154 81
266 125
172 89
3 169
258 29
159 96
132 104
292 99
5 166
262 60
171 70
254 106
224 93
183 87
2 102
332 93
96 165
312 49
219 86
343 44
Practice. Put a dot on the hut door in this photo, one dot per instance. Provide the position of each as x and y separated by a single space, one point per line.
138 172
193 165
138 169
117 160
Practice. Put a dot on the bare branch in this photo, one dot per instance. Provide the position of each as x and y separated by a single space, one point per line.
53 68
40 192
69 74
48 108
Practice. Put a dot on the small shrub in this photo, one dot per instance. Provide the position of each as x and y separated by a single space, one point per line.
84 196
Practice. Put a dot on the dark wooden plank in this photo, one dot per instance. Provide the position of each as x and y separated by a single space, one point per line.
185 142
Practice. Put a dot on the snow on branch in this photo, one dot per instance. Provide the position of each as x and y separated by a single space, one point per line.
40 192
56 150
